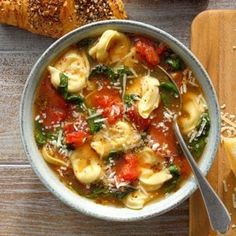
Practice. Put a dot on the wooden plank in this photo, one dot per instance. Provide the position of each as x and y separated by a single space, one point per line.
27 208
14 69
215 50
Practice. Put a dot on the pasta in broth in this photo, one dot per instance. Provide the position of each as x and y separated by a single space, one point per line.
103 119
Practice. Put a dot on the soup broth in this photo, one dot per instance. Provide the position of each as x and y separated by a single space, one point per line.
103 117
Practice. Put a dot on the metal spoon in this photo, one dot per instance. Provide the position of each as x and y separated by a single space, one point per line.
217 213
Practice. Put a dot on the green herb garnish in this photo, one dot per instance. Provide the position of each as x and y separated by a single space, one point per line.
103 70
198 144
169 86
93 125
168 91
102 191
174 170
110 73
40 136
63 89
113 155
124 71
175 62
172 184
129 99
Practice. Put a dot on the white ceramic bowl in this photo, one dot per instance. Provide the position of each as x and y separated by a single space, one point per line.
47 176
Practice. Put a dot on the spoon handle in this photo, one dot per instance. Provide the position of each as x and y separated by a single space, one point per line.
218 214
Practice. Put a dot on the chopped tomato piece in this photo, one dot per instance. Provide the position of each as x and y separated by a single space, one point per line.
76 133
53 115
110 102
76 138
51 95
139 121
52 105
128 168
147 51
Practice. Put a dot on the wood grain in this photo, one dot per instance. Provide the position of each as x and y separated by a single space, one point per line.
26 207
215 51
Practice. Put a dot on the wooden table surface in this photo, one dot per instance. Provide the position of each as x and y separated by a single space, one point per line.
26 206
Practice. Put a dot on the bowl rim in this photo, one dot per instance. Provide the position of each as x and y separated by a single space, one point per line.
86 208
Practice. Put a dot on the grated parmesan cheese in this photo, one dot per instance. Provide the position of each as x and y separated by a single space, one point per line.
225 186
234 200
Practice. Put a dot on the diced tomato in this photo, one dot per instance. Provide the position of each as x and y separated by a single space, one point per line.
77 132
76 138
140 123
128 168
53 106
51 95
147 51
110 102
53 115
182 162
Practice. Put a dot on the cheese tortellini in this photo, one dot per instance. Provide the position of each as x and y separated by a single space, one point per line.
73 64
85 163
152 180
149 178
193 107
111 47
119 137
150 97
51 156
149 157
136 200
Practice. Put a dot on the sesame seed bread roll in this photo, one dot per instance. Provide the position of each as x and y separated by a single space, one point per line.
55 18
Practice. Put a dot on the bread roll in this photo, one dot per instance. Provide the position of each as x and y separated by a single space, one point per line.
55 18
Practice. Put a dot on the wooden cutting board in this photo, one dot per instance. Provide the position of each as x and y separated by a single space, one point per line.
214 43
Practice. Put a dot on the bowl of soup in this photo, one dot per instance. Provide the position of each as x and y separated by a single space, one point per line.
96 120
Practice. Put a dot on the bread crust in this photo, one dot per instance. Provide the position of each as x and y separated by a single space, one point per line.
54 18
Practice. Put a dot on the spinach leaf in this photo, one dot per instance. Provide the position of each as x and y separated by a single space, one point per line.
103 191
95 126
169 86
109 72
113 155
168 93
63 89
75 99
103 70
172 184
124 71
123 192
174 170
129 99
198 144
63 86
175 62
40 136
